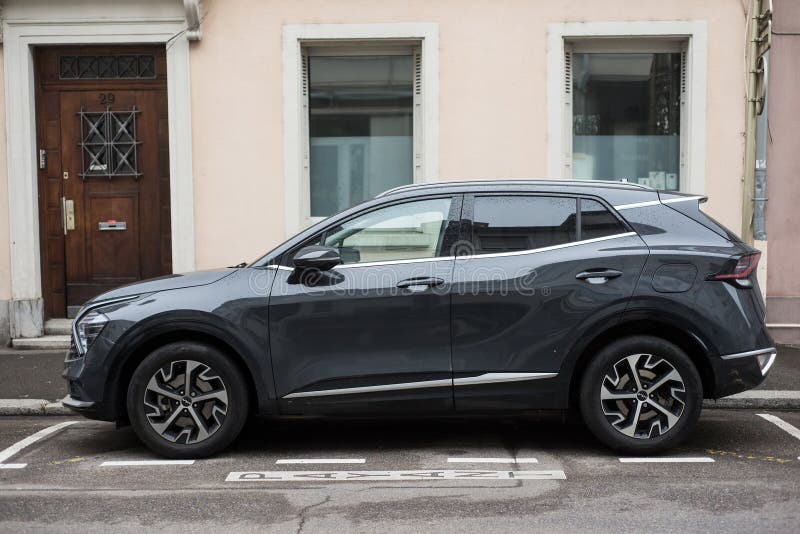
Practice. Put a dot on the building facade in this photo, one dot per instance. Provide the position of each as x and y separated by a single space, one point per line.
144 137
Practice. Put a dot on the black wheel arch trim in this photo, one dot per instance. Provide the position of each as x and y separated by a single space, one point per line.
658 323
145 336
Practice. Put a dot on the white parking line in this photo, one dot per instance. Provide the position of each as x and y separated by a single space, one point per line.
492 461
12 466
664 460
129 463
371 476
30 440
322 461
780 423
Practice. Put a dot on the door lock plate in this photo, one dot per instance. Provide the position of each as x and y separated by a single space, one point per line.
69 215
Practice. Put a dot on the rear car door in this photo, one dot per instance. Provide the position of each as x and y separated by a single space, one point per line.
371 335
542 272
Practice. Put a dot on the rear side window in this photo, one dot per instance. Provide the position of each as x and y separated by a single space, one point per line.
514 223
597 221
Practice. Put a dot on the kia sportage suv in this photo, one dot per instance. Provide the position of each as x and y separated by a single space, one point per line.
499 297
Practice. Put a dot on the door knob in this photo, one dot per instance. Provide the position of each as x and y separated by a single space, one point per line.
425 281
598 276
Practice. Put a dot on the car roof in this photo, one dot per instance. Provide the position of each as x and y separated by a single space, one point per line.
528 184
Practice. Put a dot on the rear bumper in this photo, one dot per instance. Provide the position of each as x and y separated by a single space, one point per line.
734 373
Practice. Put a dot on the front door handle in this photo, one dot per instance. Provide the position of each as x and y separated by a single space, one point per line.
598 276
423 281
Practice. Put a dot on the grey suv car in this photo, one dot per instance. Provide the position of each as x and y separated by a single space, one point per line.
623 302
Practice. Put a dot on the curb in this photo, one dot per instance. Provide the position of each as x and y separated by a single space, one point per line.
32 407
760 399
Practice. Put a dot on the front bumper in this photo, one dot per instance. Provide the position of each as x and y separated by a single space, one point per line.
87 393
734 373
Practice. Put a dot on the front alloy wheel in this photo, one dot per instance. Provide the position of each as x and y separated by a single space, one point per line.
641 394
187 400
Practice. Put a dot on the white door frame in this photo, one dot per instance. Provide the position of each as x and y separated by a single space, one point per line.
19 37
694 31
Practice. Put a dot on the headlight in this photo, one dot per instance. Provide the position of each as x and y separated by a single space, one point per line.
88 328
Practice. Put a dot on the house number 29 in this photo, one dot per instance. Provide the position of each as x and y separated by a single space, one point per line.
106 98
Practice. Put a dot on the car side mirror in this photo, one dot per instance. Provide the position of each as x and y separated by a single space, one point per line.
317 257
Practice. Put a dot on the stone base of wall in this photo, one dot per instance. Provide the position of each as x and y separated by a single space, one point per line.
20 318
783 318
5 323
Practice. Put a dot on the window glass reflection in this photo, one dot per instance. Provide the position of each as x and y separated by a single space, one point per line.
626 118
360 128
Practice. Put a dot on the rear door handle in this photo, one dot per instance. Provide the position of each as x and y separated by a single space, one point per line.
423 281
598 276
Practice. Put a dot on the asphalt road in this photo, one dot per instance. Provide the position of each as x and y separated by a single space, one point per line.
751 485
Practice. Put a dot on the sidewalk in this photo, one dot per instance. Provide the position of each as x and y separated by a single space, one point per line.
31 383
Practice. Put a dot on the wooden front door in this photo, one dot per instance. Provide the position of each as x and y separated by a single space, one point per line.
104 197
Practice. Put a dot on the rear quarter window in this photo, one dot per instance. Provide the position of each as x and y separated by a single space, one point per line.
597 221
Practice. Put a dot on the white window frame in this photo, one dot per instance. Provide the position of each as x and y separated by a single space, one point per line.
633 36
297 37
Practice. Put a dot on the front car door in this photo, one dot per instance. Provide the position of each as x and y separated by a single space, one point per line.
542 269
371 335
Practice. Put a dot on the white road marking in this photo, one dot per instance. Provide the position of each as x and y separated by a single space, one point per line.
12 466
30 440
127 463
371 476
322 461
664 460
780 423
492 461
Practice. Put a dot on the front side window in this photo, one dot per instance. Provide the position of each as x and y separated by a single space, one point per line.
626 117
516 223
360 127
413 230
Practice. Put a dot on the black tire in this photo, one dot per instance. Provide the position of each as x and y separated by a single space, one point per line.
221 368
603 365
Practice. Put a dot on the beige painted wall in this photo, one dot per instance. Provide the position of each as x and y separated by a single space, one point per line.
492 99
5 245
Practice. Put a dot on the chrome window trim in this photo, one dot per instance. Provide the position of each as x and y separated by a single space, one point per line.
637 205
681 199
748 353
472 256
546 249
485 378
394 262
655 202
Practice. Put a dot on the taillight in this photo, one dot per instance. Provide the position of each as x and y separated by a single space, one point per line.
739 268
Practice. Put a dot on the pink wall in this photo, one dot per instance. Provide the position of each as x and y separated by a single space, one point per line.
783 166
492 99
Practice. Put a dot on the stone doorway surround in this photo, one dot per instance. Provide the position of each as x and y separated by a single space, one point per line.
29 23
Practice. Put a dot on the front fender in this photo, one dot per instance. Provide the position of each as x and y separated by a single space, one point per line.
247 340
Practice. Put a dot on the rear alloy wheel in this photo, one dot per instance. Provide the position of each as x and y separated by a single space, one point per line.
187 400
641 394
